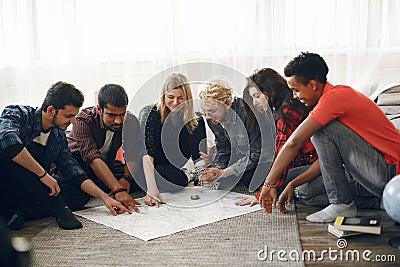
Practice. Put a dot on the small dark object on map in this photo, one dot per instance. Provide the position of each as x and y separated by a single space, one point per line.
194 197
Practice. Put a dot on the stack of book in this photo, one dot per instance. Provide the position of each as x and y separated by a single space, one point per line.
347 226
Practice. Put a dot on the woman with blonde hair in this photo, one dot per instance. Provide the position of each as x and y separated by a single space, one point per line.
173 134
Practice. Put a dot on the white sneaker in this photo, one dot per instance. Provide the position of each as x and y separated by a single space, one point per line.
330 213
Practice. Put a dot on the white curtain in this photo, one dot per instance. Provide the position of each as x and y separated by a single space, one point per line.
93 42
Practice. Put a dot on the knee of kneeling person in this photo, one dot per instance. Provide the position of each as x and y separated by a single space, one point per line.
77 202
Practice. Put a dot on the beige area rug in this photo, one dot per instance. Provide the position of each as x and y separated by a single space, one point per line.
240 241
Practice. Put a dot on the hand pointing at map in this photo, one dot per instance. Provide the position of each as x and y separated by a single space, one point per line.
154 198
114 206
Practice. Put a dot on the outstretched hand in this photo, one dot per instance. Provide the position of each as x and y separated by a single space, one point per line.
154 198
268 198
127 200
247 201
115 207
286 196
210 175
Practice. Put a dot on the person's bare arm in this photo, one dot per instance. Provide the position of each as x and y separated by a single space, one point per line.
114 206
288 152
104 173
152 194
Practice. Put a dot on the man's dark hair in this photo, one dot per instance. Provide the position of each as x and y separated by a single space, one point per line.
307 66
62 94
112 94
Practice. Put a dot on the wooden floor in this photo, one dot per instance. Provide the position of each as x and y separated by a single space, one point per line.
314 237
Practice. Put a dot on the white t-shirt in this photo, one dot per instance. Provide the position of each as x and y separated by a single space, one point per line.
107 145
42 138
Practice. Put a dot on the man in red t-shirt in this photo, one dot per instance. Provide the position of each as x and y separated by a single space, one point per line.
339 126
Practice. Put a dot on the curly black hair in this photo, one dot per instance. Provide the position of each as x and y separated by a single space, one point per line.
307 66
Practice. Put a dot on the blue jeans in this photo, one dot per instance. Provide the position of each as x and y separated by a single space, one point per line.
340 148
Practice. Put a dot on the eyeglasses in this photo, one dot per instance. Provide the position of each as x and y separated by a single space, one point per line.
208 112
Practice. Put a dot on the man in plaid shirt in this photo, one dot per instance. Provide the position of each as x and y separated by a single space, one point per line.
31 141
96 137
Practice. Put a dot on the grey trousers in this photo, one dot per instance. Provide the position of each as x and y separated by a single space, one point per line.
313 193
339 150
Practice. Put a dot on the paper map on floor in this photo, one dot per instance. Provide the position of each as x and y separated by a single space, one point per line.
182 212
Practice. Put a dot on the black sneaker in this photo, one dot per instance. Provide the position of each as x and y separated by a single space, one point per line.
16 220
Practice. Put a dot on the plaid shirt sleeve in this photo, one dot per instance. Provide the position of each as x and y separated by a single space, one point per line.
284 131
66 163
82 137
12 122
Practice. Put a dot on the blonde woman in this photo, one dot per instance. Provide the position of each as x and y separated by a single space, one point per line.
173 134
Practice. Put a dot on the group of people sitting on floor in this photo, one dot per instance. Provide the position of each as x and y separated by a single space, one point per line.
327 145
